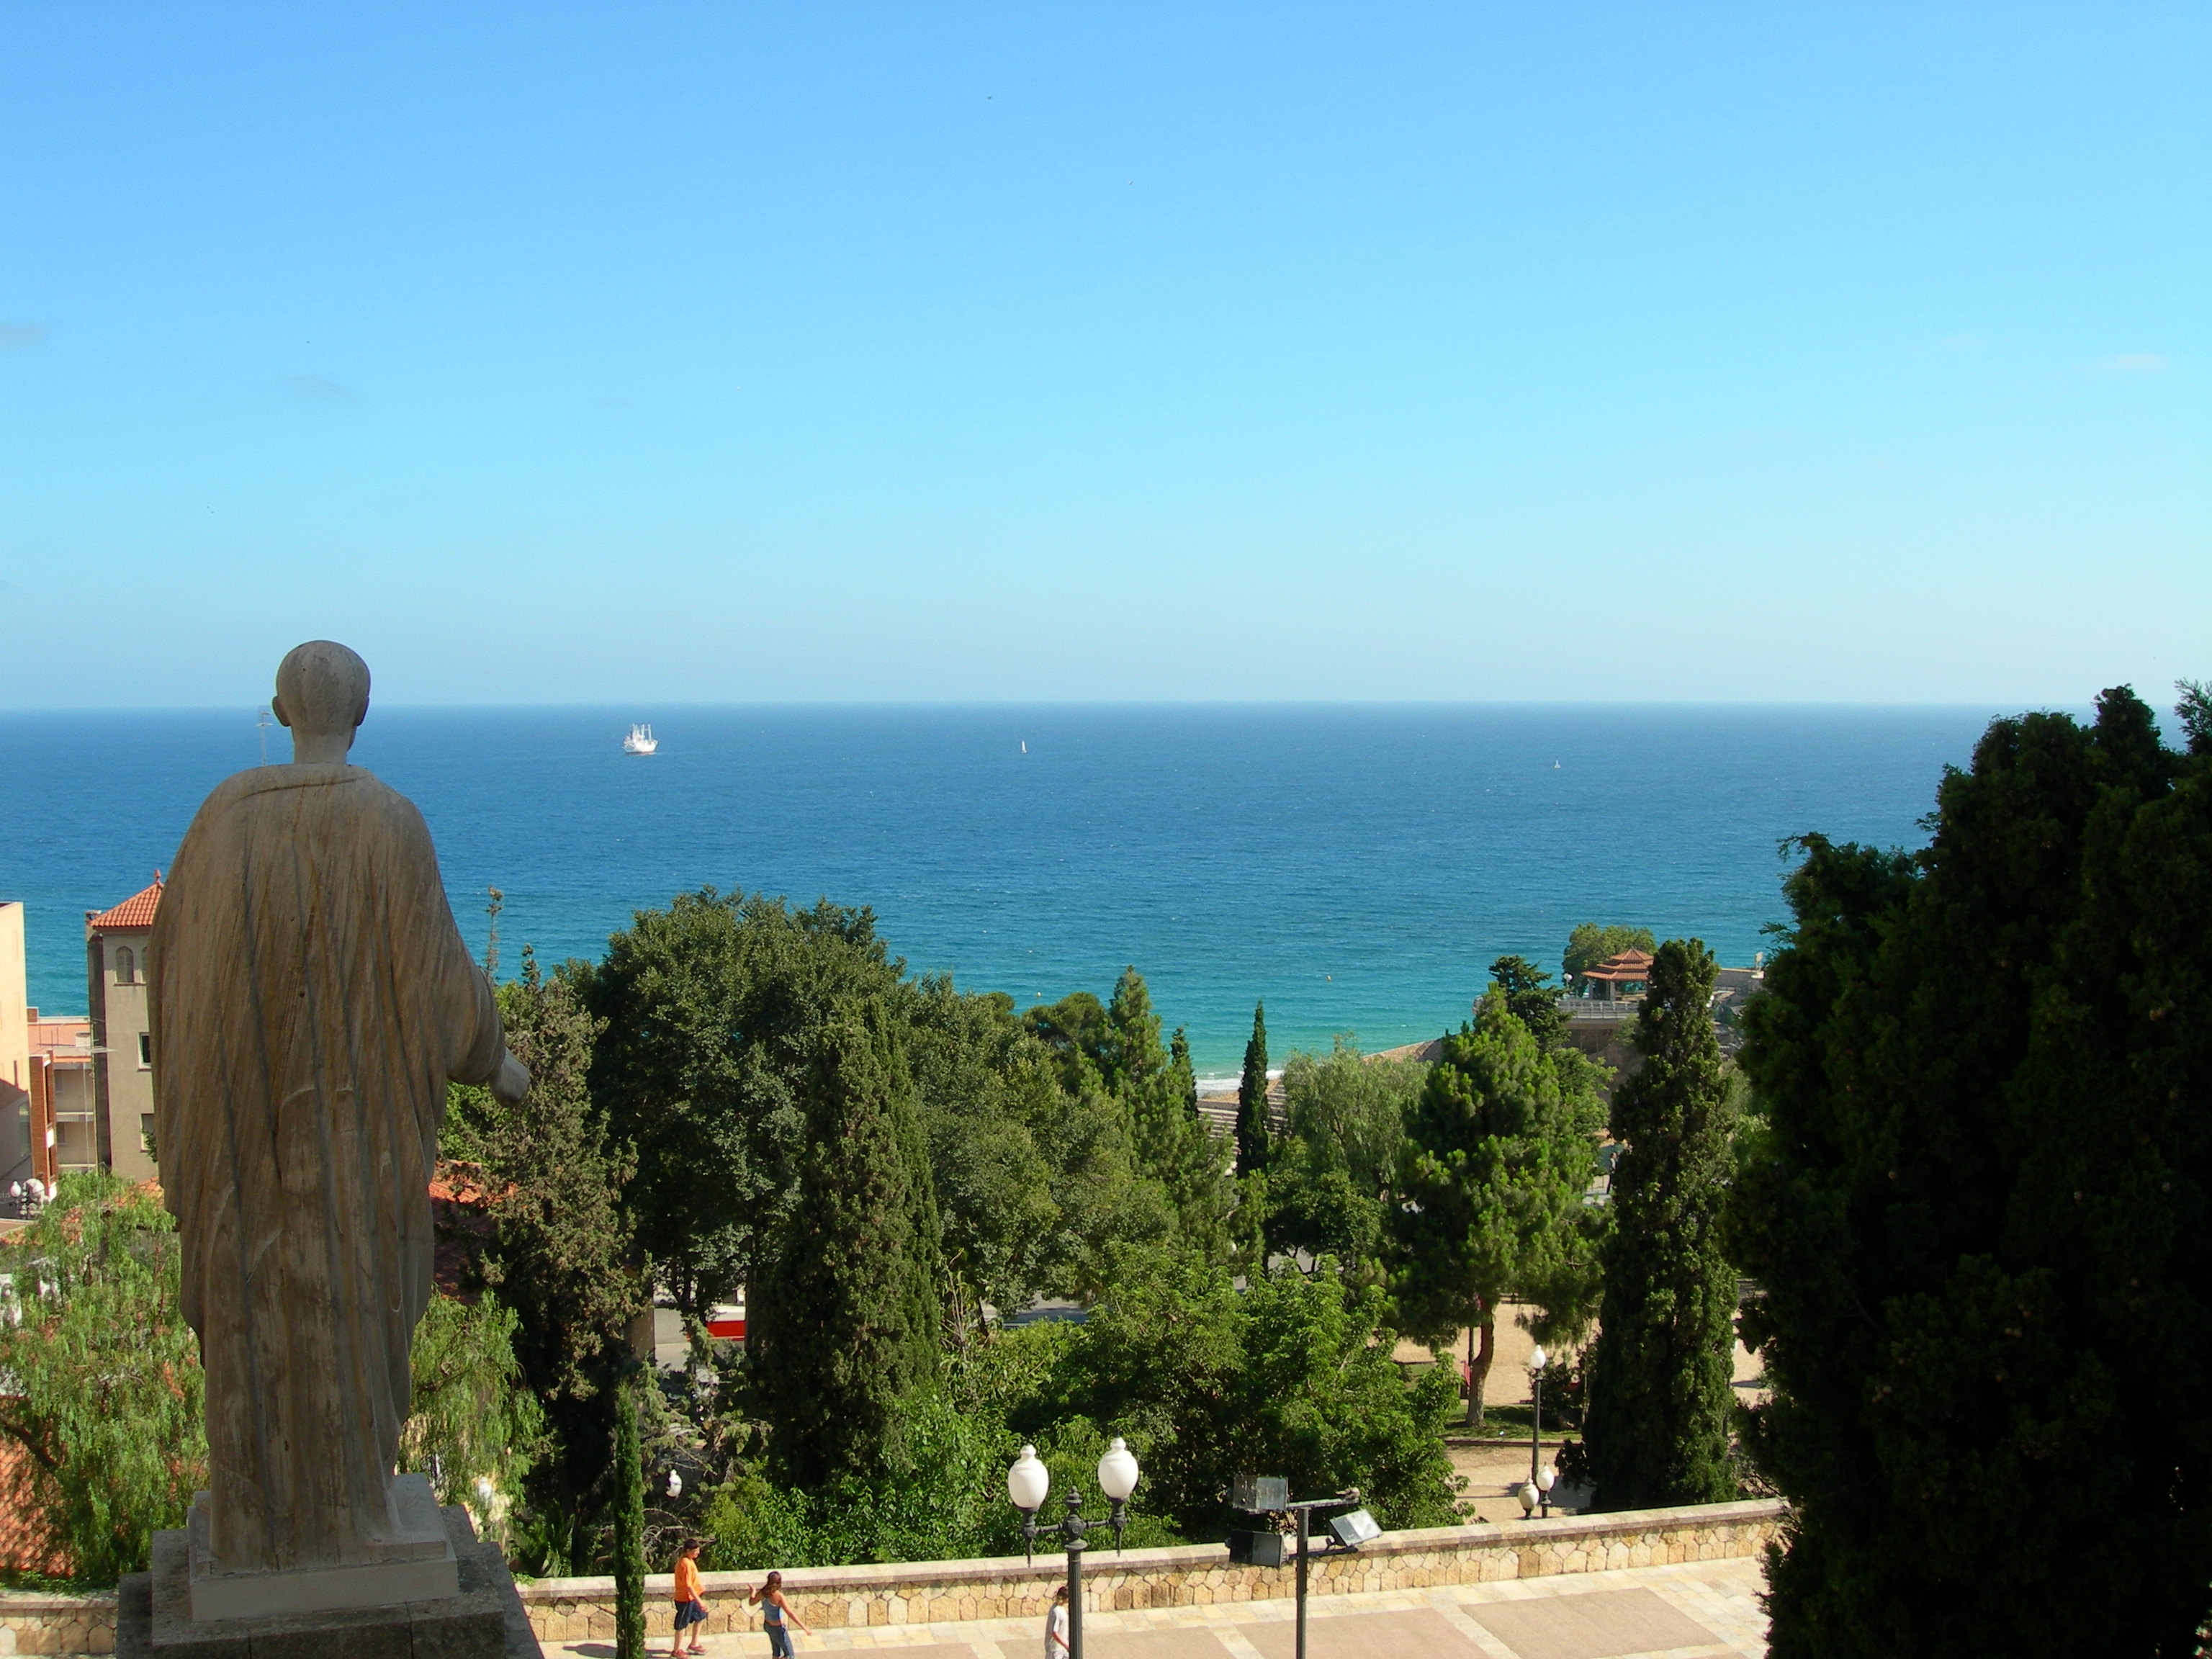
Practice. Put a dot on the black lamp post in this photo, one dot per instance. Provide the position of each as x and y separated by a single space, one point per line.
1270 1494
1027 1484
1536 1362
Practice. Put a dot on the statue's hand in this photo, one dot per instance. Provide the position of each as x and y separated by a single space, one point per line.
510 1082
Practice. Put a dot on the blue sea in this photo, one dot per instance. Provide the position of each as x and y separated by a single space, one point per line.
1358 867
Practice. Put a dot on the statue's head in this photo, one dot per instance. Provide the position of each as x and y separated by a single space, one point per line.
322 693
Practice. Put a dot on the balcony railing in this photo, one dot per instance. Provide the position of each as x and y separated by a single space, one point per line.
1594 1008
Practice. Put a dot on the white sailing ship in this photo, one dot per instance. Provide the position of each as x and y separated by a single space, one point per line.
640 741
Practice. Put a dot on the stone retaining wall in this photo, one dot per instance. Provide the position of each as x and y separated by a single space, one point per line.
564 1610
36 1622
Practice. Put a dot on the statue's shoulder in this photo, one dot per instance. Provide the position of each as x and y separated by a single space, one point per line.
354 790
258 781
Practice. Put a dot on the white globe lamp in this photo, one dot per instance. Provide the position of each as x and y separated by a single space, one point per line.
1117 1471
1028 1481
1117 1478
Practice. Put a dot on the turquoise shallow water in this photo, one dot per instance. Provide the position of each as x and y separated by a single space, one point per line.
1357 866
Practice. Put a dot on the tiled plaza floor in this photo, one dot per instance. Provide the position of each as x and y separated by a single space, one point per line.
1699 1610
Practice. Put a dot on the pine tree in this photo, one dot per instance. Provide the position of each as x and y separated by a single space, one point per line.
844 1321
629 1523
1534 999
1660 1381
1252 1129
1975 1208
1499 1152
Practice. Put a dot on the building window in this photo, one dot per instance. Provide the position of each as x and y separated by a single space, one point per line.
145 1051
126 967
146 1136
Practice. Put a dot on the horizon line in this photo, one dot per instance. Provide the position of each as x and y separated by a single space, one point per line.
634 707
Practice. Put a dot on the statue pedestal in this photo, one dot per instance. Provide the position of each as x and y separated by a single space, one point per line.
482 1618
418 1565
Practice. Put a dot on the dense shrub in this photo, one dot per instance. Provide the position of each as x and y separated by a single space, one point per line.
1291 1376
105 1383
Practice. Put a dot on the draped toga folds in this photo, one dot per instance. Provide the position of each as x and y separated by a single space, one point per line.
310 998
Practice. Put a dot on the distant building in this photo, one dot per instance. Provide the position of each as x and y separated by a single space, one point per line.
49 1099
1617 979
63 1114
115 943
15 1051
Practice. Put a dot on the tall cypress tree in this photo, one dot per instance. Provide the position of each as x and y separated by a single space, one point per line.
1977 1210
1660 1380
844 1315
629 1521
1254 1132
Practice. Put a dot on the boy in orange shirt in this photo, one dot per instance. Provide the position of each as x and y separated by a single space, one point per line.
690 1605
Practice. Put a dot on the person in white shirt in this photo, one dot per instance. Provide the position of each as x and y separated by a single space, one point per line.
1055 1626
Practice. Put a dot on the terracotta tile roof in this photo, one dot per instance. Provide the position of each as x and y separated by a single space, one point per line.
1628 965
134 914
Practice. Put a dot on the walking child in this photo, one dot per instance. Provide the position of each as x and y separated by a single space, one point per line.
1055 1626
773 1614
691 1604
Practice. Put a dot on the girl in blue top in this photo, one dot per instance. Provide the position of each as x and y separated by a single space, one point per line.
773 1614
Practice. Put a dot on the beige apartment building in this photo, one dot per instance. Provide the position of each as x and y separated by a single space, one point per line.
115 943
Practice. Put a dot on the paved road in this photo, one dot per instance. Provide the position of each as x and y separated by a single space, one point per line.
1699 1610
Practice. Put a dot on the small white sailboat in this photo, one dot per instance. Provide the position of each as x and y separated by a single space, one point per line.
640 741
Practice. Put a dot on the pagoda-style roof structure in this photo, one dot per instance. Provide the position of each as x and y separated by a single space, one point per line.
1621 977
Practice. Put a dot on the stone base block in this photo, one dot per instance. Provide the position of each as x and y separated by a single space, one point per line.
483 1620
416 1563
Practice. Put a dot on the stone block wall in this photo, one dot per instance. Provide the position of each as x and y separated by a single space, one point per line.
566 1610
35 1623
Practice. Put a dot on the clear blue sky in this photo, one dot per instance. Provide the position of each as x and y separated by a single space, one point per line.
652 354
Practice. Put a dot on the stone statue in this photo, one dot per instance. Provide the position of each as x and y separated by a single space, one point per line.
311 996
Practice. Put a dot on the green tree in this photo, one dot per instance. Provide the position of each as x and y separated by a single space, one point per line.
1254 1132
473 1417
1336 1164
987 1092
629 1521
1499 1150
107 1401
560 1250
2194 711
1292 1375
1531 997
1589 944
843 1315
1660 1381
1976 1208
1173 1145
1136 1162
711 1012
1073 1032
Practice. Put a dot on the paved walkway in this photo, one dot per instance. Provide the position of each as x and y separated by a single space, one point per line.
1698 1610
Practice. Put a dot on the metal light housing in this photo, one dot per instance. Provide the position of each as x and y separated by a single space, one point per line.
1258 1494
1355 1528
1260 1548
